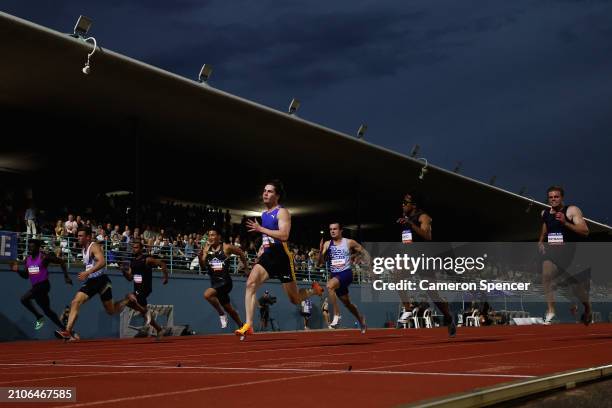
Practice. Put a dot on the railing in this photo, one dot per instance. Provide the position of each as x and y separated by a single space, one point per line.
177 259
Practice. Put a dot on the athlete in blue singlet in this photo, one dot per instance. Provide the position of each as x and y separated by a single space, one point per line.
275 260
338 252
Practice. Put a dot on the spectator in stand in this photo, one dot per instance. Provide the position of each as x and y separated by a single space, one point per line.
79 221
237 241
127 234
136 235
108 229
30 220
115 234
71 226
59 230
148 234
100 236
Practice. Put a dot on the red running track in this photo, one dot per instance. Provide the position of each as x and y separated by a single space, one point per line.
383 368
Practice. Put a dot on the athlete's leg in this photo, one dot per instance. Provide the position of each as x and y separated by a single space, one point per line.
26 300
332 285
256 278
45 304
549 270
75 306
352 308
296 295
211 296
233 313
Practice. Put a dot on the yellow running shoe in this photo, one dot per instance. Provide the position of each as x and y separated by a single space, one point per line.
245 330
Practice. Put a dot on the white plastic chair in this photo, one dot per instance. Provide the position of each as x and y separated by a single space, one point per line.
474 319
415 318
404 317
427 318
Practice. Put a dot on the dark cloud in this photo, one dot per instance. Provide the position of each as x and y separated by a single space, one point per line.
520 89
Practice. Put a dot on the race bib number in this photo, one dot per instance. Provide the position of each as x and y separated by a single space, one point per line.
406 236
555 238
33 270
137 278
338 263
217 265
267 241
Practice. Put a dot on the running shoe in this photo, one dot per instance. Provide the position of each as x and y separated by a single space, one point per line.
223 319
336 322
244 331
548 319
63 334
317 289
39 323
363 327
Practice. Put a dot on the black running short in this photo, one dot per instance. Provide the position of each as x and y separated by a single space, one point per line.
278 262
223 292
100 285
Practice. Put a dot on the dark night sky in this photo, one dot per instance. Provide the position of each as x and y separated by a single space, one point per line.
520 89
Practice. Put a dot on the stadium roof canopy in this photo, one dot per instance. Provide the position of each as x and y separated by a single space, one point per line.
130 124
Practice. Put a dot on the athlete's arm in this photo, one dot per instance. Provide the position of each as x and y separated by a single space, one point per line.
232 249
356 248
322 251
127 272
579 225
543 233
203 255
96 250
159 263
424 231
284 226
52 258
22 272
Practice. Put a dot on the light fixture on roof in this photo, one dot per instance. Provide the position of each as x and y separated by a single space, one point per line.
86 69
457 168
424 168
205 73
523 190
82 26
492 180
415 150
361 131
294 106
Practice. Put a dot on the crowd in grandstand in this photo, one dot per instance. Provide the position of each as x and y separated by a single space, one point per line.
169 230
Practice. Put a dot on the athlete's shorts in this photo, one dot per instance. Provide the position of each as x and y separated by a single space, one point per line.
345 278
278 262
141 296
39 290
100 285
223 292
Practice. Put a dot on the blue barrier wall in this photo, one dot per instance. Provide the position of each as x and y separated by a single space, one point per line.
185 292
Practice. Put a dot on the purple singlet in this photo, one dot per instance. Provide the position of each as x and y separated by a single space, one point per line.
36 270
